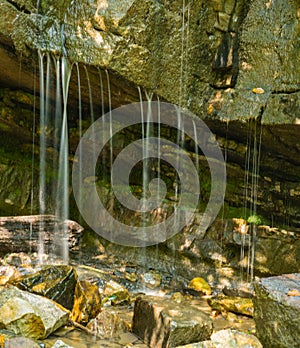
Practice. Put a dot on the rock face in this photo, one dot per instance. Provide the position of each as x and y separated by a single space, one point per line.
21 233
54 282
30 315
277 310
162 324
223 60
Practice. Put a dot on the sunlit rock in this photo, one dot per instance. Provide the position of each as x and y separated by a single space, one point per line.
276 314
8 274
55 282
116 293
87 302
234 339
160 323
236 305
28 314
229 339
151 279
199 285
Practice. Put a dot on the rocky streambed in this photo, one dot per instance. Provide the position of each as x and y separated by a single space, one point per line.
107 301
160 296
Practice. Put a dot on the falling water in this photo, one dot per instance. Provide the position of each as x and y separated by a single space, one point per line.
110 123
252 161
80 159
254 189
32 156
196 146
62 202
42 166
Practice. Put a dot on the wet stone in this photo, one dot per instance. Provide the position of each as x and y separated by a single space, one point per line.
87 302
61 344
277 313
160 323
116 293
151 279
28 314
54 282
108 324
236 305
234 339
199 285
18 342
244 290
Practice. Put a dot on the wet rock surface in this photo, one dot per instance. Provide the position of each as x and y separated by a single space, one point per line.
277 310
112 327
162 324
87 302
57 283
229 339
21 233
236 305
30 315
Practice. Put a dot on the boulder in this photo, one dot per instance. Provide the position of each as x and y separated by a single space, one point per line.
235 304
199 285
55 282
28 314
277 310
165 324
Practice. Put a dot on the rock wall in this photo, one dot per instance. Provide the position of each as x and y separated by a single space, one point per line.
233 63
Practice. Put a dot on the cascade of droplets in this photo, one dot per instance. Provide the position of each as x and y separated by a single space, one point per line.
252 162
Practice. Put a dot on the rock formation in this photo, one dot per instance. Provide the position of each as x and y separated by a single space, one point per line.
234 63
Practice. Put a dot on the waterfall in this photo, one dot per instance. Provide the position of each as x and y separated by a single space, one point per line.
53 131
42 164
62 201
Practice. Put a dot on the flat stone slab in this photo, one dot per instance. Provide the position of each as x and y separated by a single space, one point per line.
166 324
21 233
277 310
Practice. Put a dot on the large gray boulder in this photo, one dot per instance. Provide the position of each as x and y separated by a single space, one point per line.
277 311
28 314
